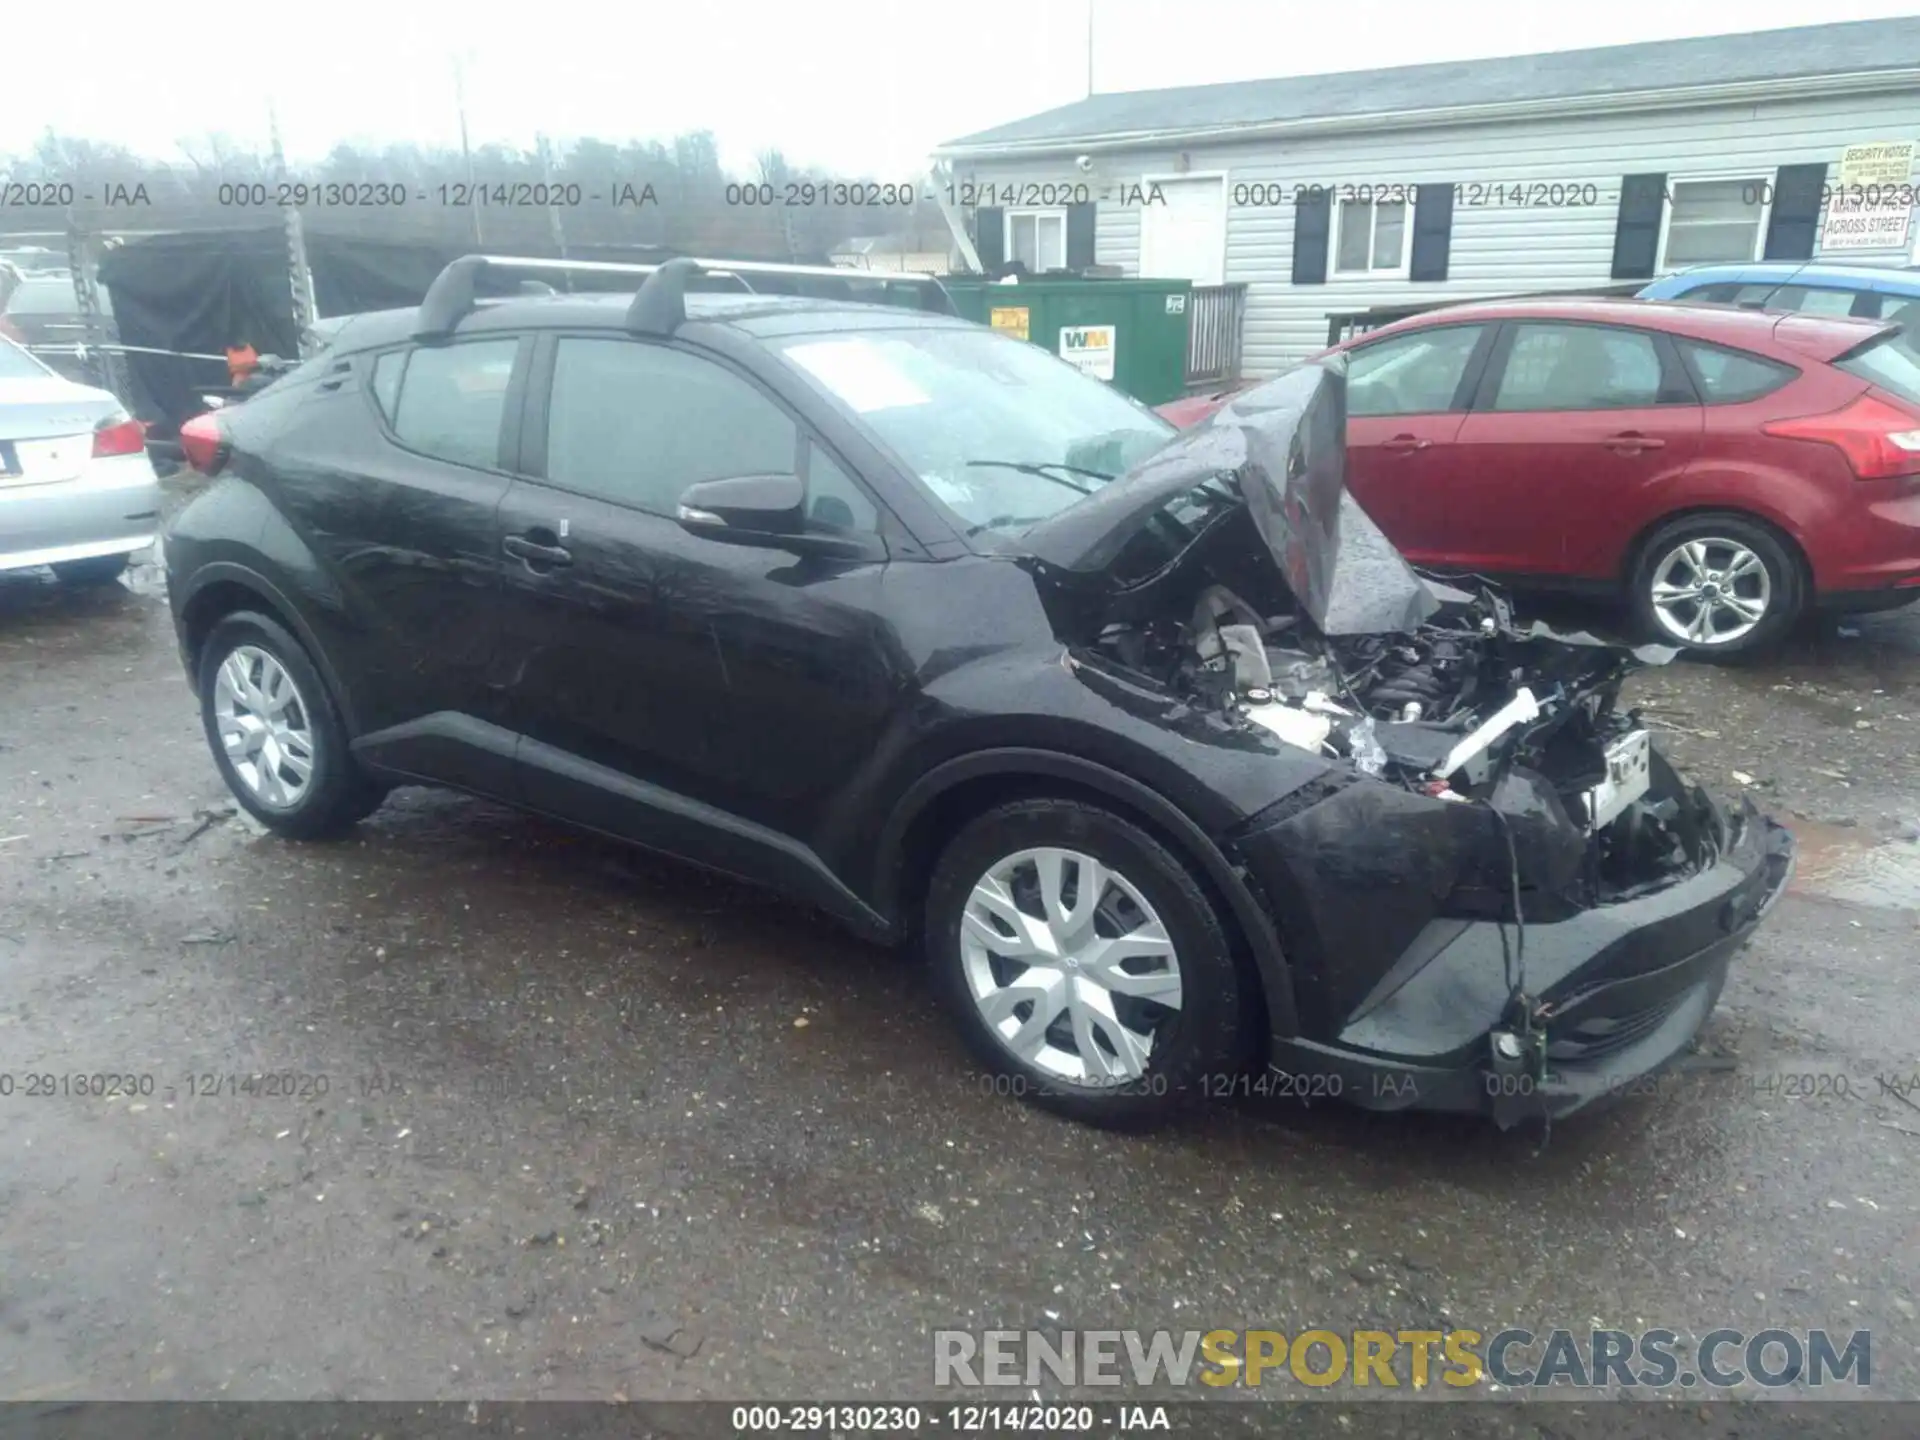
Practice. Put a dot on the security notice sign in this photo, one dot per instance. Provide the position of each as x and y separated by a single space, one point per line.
1871 205
1089 349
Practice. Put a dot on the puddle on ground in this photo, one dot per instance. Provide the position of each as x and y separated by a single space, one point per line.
1844 864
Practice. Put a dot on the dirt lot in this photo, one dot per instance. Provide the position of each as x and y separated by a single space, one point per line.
562 1121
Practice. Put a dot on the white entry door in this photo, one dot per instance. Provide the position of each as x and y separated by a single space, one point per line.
1185 238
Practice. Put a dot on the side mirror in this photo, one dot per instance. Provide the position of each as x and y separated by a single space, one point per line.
746 509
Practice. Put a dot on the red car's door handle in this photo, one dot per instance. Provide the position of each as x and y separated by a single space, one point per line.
1632 442
1405 443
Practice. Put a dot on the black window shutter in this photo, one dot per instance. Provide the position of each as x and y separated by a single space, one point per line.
1794 223
1636 235
990 237
1312 220
1080 236
1432 232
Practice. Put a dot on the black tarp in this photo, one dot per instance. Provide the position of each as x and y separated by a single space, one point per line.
198 292
205 290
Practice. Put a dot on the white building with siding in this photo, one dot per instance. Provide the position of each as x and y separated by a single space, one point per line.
1569 171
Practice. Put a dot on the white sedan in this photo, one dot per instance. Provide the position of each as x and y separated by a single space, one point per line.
77 491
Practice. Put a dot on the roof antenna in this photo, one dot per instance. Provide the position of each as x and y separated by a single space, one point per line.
661 305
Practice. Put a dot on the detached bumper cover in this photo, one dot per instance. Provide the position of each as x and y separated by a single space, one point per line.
1625 988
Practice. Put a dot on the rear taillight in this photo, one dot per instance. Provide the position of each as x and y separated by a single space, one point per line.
203 443
119 437
1879 439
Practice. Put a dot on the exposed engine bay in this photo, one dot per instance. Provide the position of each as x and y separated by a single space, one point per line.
1458 778
1449 710
1235 571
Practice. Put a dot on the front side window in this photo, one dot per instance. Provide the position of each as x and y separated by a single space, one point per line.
637 423
387 371
1722 293
1579 367
452 399
1000 432
1417 374
1373 237
1714 220
1038 239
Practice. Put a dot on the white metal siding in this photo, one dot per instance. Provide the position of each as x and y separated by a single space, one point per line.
1494 251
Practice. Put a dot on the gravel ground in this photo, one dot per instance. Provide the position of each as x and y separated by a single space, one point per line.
561 1121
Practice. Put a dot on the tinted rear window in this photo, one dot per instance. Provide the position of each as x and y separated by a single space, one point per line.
1727 377
1891 361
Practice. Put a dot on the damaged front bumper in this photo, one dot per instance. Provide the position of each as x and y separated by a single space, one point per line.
1621 990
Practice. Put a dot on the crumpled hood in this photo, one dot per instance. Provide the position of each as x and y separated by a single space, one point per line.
1284 445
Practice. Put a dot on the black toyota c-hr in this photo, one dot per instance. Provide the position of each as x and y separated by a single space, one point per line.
1154 743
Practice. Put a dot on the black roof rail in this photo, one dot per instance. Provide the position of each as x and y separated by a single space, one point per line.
660 304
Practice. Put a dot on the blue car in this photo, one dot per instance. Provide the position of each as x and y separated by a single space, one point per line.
1822 289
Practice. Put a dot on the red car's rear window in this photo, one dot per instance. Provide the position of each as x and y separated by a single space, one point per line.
1891 361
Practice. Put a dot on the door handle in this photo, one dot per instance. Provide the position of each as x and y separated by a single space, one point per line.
1632 442
1405 444
534 554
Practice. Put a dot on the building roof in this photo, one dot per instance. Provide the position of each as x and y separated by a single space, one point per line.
1860 47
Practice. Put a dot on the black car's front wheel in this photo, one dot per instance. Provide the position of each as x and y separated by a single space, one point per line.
275 733
1085 965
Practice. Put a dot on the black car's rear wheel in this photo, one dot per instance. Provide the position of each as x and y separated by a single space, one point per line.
1086 967
275 733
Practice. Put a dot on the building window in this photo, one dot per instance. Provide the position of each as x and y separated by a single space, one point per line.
1372 237
1038 239
1714 220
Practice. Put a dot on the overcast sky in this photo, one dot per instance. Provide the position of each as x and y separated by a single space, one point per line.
857 90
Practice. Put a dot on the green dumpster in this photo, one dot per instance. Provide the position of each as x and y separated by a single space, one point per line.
1130 333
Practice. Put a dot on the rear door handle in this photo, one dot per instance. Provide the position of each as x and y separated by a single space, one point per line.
1405 443
1632 442
534 553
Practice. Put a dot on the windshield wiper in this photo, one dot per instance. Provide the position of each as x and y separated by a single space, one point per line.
1003 522
1045 470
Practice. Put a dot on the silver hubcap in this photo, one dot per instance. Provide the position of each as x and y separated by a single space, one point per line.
1709 591
264 727
1070 966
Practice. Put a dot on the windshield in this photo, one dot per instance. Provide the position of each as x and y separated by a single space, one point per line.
16 364
1891 361
1000 431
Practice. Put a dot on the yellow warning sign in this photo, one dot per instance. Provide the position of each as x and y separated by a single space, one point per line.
1009 320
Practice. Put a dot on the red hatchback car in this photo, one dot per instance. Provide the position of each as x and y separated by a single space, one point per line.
1725 469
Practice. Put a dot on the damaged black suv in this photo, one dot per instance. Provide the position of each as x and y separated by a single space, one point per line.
1158 747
